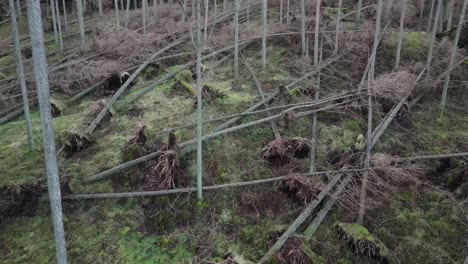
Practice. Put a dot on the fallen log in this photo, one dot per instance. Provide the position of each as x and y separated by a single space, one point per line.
302 217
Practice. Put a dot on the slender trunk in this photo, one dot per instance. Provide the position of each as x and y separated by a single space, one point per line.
127 14
288 20
281 12
421 14
338 28
449 15
363 198
20 72
18 7
54 21
224 5
358 13
121 5
248 11
155 8
317 95
433 38
441 19
452 57
193 9
303 33
199 106
59 26
117 14
400 36
65 20
236 41
143 13
388 10
264 32
430 16
205 33
42 84
79 10
100 7
84 6
184 8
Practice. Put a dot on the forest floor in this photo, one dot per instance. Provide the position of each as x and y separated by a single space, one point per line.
422 219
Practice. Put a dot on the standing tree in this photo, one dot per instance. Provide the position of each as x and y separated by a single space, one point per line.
452 56
450 14
54 21
264 32
431 12
20 72
358 11
79 10
338 27
400 36
287 12
421 14
42 84
59 26
303 27
117 13
432 39
184 7
205 33
65 20
236 41
317 95
127 14
143 14
155 8
18 7
281 12
100 7
199 105
371 74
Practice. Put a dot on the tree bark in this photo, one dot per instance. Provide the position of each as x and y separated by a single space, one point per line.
421 14
199 106
127 14
400 36
431 12
358 13
143 14
288 20
205 33
20 72
100 7
155 8
303 27
79 10
452 57
42 84
184 8
449 15
281 12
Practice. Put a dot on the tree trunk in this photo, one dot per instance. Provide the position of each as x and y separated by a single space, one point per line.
59 26
281 12
338 28
433 38
42 84
452 57
363 197
400 36
127 14
117 14
430 16
54 21
205 33
303 27
100 7
449 15
65 20
143 13
358 13
421 14
184 8
199 106
79 10
288 20
18 7
248 11
20 72
236 41
264 32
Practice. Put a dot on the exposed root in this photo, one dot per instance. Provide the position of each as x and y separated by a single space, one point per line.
19 201
56 108
282 151
73 142
301 187
361 240
294 252
162 173
140 137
